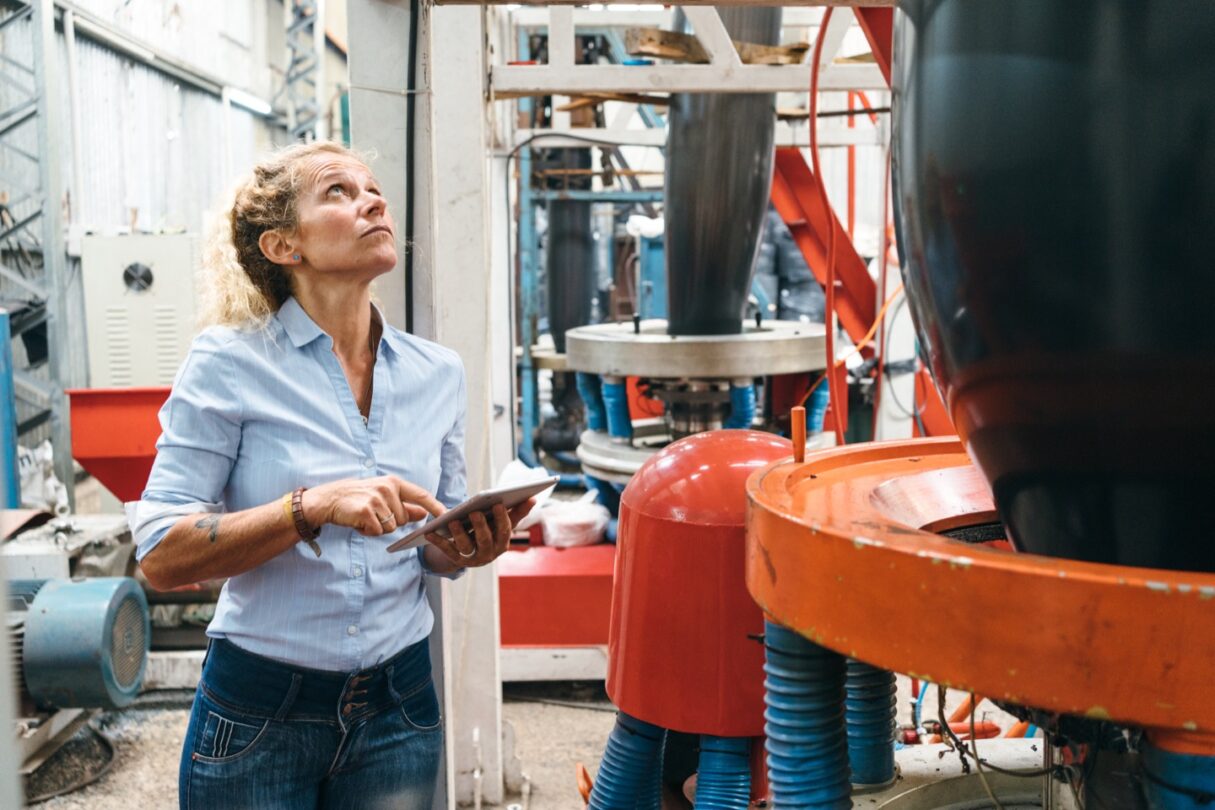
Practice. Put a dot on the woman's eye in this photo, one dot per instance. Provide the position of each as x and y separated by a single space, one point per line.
336 187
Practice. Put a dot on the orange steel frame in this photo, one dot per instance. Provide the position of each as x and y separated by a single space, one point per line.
842 549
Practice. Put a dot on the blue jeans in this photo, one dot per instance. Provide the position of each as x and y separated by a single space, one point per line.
271 736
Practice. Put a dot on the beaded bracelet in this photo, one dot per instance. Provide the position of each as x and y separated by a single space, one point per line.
306 532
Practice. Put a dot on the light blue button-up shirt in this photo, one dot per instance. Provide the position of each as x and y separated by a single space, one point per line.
254 415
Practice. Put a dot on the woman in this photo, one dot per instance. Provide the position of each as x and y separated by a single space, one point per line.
300 415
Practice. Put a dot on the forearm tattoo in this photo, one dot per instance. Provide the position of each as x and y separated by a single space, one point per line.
211 523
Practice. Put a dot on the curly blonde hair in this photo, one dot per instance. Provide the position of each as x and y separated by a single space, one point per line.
239 286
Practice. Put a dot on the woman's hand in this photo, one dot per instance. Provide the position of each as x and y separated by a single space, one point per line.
371 506
486 543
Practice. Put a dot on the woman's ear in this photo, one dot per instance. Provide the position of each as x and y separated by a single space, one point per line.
277 248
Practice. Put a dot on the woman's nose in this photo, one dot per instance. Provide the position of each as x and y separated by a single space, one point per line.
373 204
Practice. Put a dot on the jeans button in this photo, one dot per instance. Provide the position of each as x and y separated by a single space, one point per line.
346 710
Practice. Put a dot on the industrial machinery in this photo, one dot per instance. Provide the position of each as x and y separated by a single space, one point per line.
703 362
76 645
79 626
1052 171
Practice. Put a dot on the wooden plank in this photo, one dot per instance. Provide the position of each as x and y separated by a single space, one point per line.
590 99
665 45
680 47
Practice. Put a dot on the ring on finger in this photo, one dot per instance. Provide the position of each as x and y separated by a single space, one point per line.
456 546
389 518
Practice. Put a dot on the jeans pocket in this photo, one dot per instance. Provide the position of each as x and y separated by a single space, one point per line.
420 707
224 735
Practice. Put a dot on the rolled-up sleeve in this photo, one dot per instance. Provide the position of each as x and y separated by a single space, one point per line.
200 438
453 476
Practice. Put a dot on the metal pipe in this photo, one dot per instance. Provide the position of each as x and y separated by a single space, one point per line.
10 477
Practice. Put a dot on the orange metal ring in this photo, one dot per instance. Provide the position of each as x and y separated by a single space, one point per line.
840 549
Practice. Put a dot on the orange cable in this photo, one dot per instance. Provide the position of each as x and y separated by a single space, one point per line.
868 337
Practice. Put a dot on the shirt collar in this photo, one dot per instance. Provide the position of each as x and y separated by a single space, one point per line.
302 330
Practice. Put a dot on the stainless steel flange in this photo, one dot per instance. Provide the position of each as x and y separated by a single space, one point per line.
775 347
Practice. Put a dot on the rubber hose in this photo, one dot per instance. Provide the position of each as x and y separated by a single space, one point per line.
742 407
616 403
591 391
723 775
816 408
870 710
630 775
1178 781
807 743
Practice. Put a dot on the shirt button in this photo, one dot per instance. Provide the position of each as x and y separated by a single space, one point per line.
352 630
369 462
358 572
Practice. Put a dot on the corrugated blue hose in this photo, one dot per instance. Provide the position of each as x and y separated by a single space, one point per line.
816 407
630 775
870 709
616 403
723 775
807 741
1178 781
591 392
742 407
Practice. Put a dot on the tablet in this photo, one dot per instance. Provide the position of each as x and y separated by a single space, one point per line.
481 502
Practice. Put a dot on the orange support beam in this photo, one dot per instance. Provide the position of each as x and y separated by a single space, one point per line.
878 25
796 198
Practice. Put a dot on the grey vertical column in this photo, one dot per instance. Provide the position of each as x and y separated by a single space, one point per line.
54 259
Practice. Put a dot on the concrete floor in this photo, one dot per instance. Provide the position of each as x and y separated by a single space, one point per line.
555 727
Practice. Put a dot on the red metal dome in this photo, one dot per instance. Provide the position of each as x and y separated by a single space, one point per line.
682 648
703 479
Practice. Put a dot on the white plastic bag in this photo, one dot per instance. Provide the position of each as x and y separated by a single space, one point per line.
516 472
574 523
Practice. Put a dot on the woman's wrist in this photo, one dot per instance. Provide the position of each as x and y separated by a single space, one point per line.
315 507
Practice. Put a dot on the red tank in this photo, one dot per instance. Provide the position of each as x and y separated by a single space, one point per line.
683 648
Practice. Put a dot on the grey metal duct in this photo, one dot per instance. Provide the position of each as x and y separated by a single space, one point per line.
718 178
570 254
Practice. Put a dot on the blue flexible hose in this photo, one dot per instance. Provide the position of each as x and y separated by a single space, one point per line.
871 710
807 741
1178 781
816 407
616 403
630 775
723 775
742 407
591 391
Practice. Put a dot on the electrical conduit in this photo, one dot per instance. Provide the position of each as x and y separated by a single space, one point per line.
806 742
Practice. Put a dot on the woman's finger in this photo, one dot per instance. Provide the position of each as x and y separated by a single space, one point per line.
411 493
484 536
414 512
444 545
462 542
502 529
369 523
517 513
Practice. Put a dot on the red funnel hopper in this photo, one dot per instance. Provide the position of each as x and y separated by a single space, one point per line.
114 433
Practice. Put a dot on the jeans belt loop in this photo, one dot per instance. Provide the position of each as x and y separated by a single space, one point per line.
289 700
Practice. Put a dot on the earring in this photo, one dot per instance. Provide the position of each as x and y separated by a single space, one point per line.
296 257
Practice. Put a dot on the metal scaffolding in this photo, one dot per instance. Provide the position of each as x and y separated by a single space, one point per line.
33 261
303 88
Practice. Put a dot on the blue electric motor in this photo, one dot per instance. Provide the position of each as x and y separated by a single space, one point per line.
85 642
